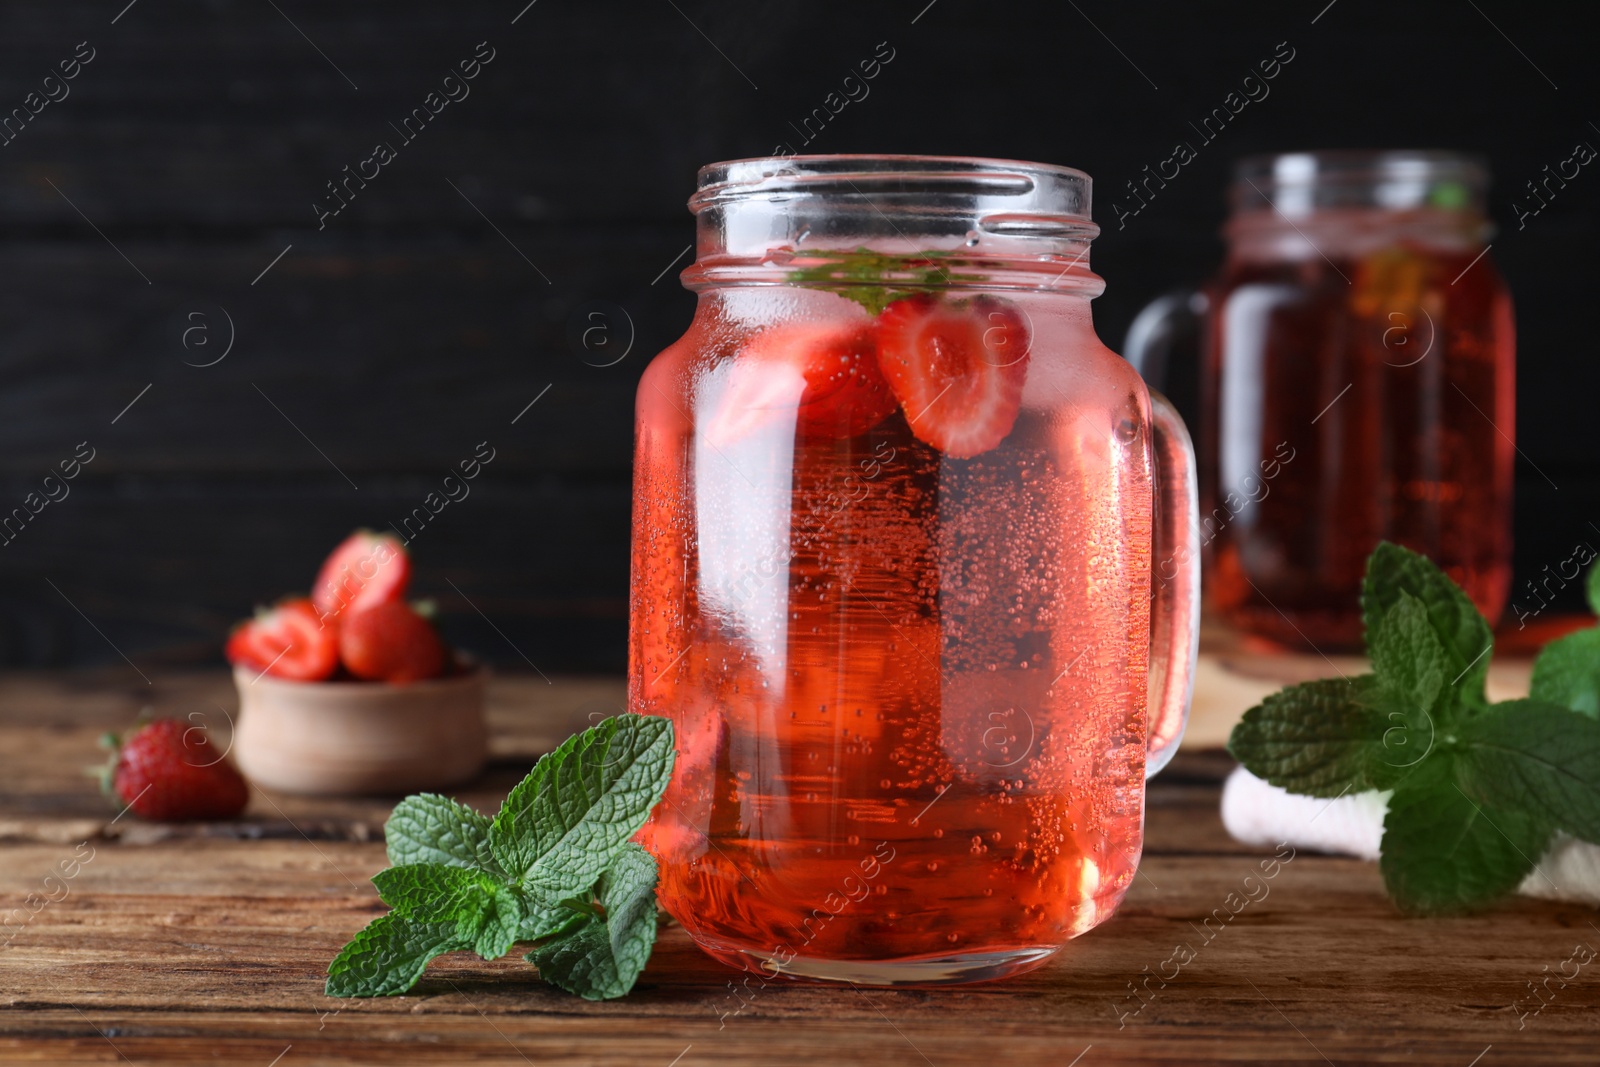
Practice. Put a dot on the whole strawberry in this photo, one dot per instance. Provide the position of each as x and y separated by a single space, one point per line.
170 772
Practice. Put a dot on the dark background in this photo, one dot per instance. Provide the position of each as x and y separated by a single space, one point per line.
409 329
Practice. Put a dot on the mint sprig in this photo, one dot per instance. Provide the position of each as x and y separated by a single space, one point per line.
1478 789
554 867
875 279
1444 852
1567 671
427 828
1394 572
600 960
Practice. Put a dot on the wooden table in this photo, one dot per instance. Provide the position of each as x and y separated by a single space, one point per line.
207 944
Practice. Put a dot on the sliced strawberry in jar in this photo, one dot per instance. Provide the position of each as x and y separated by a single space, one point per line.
366 569
957 368
288 640
823 377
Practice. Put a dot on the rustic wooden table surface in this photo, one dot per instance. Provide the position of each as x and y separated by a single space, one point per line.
207 944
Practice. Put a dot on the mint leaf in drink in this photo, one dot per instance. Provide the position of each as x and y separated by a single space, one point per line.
581 890
428 828
560 828
1591 588
872 279
487 913
1443 852
388 956
1463 634
602 958
1319 738
1567 672
1539 758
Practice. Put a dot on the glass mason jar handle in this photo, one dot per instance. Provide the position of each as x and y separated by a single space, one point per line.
1175 585
1166 323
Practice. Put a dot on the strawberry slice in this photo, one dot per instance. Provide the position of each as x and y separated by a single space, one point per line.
957 368
287 641
366 569
824 376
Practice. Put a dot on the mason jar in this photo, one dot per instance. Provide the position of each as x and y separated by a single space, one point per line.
1357 385
896 515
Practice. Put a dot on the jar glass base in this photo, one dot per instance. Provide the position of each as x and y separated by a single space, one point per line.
953 969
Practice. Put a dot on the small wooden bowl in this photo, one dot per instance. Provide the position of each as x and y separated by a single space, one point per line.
349 738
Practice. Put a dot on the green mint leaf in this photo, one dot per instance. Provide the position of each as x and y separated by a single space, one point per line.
500 925
487 913
872 297
872 279
1567 672
428 828
1444 852
1406 653
602 959
388 956
1537 757
1319 738
564 833
542 921
1592 587
562 825
1464 635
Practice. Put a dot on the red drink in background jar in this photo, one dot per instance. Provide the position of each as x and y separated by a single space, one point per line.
894 532
1357 385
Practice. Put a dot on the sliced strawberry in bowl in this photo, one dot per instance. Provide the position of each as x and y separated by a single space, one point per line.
957 368
366 569
821 377
288 640
391 642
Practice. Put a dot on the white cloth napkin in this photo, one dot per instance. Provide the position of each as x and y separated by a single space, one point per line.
1257 813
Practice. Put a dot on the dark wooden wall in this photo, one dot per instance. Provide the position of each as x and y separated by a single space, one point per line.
413 326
